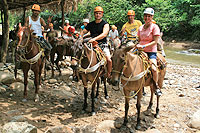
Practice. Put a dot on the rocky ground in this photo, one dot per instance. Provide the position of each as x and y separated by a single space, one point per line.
61 100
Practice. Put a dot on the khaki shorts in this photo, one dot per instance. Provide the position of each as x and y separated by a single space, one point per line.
106 51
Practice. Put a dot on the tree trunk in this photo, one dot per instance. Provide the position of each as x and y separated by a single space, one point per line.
5 32
63 15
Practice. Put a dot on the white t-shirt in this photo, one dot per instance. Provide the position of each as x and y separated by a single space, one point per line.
36 26
112 34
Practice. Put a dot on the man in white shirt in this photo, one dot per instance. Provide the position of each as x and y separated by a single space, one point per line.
114 37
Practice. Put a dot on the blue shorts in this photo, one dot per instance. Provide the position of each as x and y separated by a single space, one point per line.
152 55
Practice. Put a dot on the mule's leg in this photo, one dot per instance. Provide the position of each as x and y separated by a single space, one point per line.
105 88
40 70
15 64
85 99
97 92
138 106
92 97
36 82
52 55
127 93
157 108
25 71
151 99
144 93
60 56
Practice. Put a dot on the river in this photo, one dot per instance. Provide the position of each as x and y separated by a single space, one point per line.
181 57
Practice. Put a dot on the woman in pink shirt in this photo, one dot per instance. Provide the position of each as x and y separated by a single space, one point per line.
148 37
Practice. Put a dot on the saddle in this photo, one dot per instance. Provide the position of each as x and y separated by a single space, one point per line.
160 64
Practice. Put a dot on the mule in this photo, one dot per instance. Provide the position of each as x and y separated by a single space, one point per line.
61 48
31 57
91 68
131 71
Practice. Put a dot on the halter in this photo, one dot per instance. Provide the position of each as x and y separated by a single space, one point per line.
34 59
130 78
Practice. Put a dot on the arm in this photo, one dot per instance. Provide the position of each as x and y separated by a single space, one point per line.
102 35
154 42
123 30
83 32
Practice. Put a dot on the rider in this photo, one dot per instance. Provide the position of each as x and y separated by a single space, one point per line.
99 29
51 33
36 23
131 27
85 22
65 29
113 34
148 37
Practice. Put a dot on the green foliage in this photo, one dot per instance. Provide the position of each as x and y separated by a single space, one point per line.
176 18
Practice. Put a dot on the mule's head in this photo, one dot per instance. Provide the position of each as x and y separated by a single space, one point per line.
119 60
77 50
24 36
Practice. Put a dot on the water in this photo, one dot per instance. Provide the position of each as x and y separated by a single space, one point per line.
180 57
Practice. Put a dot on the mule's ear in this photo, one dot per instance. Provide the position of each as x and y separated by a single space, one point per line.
127 49
31 30
20 25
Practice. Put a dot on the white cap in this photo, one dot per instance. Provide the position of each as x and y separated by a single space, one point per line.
149 11
85 20
66 21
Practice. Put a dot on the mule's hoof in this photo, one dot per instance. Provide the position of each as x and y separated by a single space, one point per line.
37 98
93 113
157 116
40 87
83 111
158 92
24 100
107 97
95 99
138 127
144 94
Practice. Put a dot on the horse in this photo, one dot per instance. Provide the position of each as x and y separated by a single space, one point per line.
63 47
31 57
91 68
133 72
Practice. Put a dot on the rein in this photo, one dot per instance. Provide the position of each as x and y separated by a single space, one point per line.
34 59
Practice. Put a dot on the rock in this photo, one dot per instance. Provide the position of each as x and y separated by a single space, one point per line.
2 89
13 113
17 86
106 125
52 81
88 129
60 129
19 118
64 87
152 131
195 120
18 127
62 93
6 78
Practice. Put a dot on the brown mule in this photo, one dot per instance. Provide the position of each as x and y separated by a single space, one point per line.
31 57
88 59
131 70
61 48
